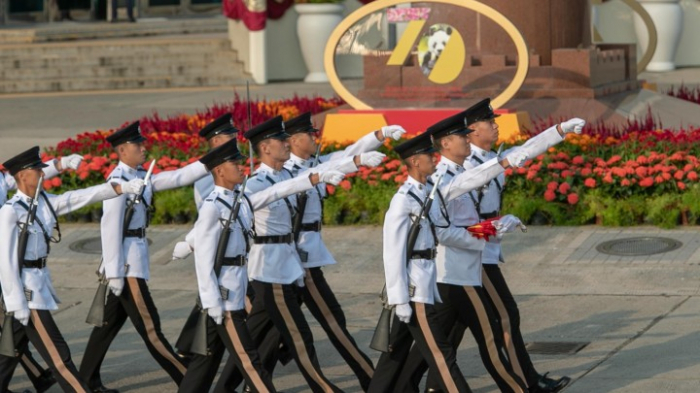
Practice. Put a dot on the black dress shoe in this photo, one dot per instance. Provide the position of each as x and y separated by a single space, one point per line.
549 385
431 390
46 380
103 389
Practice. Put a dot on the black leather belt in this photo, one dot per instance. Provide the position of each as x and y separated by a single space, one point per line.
486 216
139 232
35 264
424 254
273 239
311 227
238 260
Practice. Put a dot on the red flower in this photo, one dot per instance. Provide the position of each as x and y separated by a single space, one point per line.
549 195
625 183
586 172
590 182
608 178
647 182
552 185
642 160
330 188
565 174
681 185
345 184
659 179
56 182
578 160
692 176
642 171
564 188
47 184
572 198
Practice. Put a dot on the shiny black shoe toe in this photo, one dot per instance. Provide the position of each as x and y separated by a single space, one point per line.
103 389
549 385
46 380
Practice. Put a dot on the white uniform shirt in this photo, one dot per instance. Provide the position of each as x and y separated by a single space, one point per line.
117 253
7 182
202 188
489 200
212 216
459 253
33 280
311 242
419 273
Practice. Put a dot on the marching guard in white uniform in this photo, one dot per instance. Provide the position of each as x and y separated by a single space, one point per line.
41 378
465 301
27 288
224 296
316 293
126 262
426 329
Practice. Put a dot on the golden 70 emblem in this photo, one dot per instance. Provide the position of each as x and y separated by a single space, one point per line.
448 65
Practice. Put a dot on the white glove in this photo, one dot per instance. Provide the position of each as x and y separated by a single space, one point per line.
133 186
300 282
517 158
182 250
116 285
574 125
372 158
71 162
216 313
395 132
507 223
404 312
331 176
22 316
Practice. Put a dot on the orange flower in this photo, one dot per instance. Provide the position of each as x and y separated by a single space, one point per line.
549 195
572 198
564 188
647 182
590 182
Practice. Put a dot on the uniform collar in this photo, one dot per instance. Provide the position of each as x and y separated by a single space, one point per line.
268 169
127 169
451 164
23 197
223 191
299 161
479 152
415 183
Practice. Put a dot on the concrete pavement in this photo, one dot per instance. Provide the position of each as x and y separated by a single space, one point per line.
638 316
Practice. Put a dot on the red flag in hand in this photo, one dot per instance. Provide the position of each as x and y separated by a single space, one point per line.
484 229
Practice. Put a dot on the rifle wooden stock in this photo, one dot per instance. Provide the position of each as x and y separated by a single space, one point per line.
380 338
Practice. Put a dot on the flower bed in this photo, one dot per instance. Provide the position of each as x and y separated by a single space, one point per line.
605 176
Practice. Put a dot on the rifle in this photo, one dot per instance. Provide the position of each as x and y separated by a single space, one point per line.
380 339
199 343
7 340
301 209
97 309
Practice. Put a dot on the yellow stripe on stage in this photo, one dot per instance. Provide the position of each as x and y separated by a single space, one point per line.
342 127
408 40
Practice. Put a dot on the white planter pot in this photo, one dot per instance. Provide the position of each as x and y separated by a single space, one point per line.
314 26
668 19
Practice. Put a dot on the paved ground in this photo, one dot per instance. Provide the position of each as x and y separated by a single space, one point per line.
639 316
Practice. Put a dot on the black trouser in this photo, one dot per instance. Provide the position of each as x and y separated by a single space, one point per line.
233 335
321 301
507 309
472 308
31 367
431 341
134 303
276 306
129 8
48 341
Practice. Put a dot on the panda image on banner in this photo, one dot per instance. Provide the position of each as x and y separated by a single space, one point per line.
436 40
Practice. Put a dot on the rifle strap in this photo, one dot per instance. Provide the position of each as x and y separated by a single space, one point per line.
47 239
55 217
240 223
292 210
427 215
